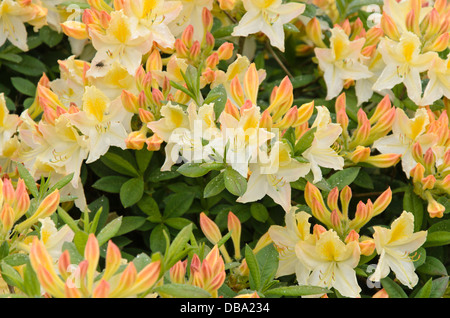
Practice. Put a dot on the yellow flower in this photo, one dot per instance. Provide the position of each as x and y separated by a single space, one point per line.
394 246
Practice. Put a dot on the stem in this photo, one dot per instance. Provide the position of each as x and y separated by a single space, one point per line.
275 56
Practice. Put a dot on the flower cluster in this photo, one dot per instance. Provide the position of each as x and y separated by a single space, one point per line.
264 119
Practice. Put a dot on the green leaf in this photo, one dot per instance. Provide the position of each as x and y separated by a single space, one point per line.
143 158
437 238
182 291
215 186
304 142
109 231
412 203
111 184
131 192
259 212
178 204
129 224
80 239
440 226
23 86
119 164
16 259
50 37
192 170
61 183
11 57
4 250
289 27
392 288
11 276
218 96
177 223
268 264
252 263
433 267
178 245
224 31
439 287
28 179
425 291
234 182
343 178
149 206
67 219
29 65
31 283
157 239
296 291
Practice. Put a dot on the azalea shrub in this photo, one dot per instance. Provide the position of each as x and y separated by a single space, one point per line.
225 149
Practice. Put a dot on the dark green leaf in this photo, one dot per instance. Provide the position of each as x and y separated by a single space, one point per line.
343 178
296 291
131 191
111 184
215 186
182 291
23 85
234 182
392 288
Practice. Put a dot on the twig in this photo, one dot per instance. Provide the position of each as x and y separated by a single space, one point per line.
275 56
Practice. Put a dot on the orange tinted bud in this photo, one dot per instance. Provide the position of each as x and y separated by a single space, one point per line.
225 51
440 44
145 116
75 29
92 255
210 229
432 24
417 173
332 199
417 152
207 19
335 220
101 290
373 36
346 27
63 265
304 113
48 282
440 5
154 143
429 160
411 22
126 281
367 247
251 83
383 125
358 29
384 160
234 226
382 202
381 294
318 230
212 60
178 272
194 51
180 47
314 32
266 120
289 119
154 62
282 100
360 154
113 259
312 192
188 36
231 109
146 278
345 197
434 208
129 101
236 91
383 106
7 217
320 212
46 208
227 4
389 28
428 182
353 236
